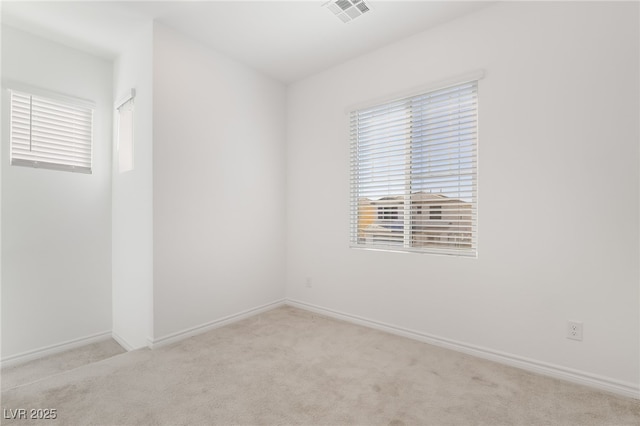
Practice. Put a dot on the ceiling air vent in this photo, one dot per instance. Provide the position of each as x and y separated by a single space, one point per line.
347 10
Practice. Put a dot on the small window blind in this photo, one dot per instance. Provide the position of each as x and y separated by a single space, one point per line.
414 173
51 134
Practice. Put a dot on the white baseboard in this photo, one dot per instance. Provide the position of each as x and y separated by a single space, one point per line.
192 331
122 342
551 370
23 357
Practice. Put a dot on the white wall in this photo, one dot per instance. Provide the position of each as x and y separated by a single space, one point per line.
132 205
218 190
558 189
56 226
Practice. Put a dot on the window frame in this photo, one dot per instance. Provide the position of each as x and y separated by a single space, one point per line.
422 212
66 101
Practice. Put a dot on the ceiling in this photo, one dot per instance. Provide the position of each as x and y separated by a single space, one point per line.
287 40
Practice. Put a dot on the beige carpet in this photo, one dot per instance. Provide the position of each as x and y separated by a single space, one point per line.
289 366
55 364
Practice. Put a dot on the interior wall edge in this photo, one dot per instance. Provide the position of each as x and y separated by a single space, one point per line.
211 325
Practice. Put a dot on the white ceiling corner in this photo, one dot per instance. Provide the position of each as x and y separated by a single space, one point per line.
287 40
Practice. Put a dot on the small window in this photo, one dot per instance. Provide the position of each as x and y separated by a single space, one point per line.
50 133
413 162
435 212
387 213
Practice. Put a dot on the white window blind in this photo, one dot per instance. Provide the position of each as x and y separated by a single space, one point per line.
49 133
413 173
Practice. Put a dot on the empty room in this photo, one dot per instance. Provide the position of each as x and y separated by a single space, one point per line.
344 212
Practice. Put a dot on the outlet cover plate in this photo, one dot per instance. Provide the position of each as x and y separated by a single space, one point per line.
574 330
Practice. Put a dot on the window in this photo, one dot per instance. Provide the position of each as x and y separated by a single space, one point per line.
413 173
387 213
50 133
435 212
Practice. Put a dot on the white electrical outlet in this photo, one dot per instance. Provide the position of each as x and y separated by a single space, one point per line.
308 282
574 330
